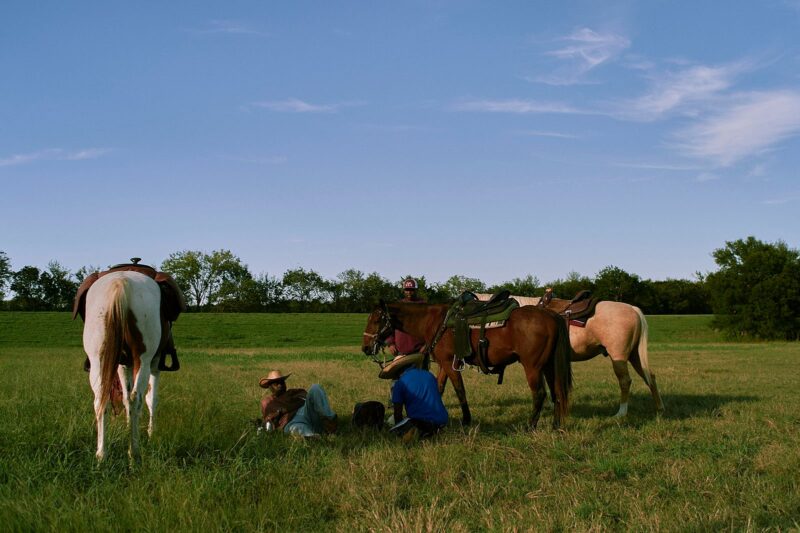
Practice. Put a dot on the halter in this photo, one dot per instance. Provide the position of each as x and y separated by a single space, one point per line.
384 330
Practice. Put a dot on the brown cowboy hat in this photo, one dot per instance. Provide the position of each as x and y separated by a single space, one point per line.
273 377
395 367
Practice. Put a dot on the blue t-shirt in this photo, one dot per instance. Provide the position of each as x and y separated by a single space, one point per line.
417 391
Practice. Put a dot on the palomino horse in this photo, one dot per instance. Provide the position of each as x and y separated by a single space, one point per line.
535 337
618 330
122 334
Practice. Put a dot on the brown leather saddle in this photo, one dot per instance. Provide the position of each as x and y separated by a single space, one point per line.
576 311
172 305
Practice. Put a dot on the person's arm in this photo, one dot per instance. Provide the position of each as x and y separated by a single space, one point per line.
398 399
390 344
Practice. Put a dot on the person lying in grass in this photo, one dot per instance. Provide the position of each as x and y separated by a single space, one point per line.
296 411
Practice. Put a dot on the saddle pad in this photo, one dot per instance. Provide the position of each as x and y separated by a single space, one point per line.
489 325
498 315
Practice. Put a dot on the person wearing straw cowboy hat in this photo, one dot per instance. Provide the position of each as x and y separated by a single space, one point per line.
415 389
296 411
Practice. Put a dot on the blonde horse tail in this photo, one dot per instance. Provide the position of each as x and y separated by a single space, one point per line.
642 346
116 321
563 369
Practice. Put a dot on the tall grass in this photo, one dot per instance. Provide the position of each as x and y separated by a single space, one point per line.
724 456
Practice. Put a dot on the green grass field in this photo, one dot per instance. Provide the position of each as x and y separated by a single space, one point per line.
724 456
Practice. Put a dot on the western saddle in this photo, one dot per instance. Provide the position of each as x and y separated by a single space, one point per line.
172 305
576 311
467 313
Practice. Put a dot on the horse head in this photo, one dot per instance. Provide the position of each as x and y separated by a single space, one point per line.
379 327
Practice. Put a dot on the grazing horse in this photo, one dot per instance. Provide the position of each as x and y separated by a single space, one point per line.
535 337
122 333
618 330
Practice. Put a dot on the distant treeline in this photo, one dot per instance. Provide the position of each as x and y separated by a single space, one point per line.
756 291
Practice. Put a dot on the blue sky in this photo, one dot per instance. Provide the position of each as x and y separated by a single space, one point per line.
485 139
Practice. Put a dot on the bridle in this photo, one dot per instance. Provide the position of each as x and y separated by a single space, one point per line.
384 330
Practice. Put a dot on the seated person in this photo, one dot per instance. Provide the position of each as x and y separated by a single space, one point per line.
296 411
416 390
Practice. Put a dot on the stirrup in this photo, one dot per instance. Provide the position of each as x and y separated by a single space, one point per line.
460 367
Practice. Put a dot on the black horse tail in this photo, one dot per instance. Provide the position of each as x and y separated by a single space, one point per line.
563 371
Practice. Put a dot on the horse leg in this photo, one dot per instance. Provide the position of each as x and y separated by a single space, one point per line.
152 399
458 385
95 381
125 379
637 365
550 379
621 371
534 377
139 390
441 380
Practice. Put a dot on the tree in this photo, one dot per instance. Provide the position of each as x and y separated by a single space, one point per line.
205 278
455 285
527 286
680 296
57 286
613 283
85 271
27 289
304 288
270 291
376 288
5 274
756 291
568 287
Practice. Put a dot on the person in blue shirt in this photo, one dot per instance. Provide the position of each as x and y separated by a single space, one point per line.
416 391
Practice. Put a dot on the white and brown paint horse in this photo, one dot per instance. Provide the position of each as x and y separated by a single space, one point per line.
619 330
122 334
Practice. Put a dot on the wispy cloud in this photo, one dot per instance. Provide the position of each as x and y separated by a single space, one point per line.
706 176
785 199
754 123
53 154
659 166
554 134
584 51
228 27
515 106
259 160
295 105
676 91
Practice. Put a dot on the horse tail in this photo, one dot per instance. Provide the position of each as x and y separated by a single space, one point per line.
642 346
116 323
563 368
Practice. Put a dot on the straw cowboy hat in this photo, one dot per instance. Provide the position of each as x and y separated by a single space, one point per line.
273 377
397 365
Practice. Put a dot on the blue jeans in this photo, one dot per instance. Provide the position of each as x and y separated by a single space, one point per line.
307 422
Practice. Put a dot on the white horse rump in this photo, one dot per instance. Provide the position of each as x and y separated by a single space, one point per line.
121 334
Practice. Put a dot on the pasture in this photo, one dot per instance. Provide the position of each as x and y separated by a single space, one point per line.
726 454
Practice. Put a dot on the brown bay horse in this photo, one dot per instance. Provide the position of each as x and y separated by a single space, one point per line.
618 330
537 338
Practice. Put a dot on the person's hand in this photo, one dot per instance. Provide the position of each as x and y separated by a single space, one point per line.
392 349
